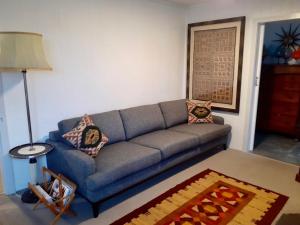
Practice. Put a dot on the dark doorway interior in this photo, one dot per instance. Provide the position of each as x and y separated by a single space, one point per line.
278 117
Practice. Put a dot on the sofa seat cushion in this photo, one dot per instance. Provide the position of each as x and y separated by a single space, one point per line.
119 160
206 131
168 142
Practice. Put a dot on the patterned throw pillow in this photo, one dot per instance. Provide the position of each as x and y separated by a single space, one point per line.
199 112
86 137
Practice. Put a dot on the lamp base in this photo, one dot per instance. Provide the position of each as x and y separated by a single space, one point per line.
29 197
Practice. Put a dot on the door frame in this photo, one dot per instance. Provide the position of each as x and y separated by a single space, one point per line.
259 26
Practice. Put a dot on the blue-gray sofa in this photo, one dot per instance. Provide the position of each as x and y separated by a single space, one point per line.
143 141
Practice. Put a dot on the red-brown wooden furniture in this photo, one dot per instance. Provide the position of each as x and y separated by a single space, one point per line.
279 100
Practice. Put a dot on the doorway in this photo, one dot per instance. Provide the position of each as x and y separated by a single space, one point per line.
277 124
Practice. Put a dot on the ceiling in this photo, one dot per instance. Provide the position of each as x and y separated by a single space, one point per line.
185 2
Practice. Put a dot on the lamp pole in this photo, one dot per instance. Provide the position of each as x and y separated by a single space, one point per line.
27 108
32 159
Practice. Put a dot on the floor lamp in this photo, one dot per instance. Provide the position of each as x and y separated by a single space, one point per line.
20 52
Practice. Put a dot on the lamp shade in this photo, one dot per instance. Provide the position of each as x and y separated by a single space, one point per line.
20 51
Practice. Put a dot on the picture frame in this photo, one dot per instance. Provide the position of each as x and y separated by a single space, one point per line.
214 62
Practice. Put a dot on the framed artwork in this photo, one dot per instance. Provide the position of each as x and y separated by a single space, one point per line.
214 62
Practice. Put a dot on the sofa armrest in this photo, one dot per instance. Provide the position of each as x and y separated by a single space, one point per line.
218 120
70 162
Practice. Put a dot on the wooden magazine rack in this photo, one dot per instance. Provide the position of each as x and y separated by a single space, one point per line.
55 193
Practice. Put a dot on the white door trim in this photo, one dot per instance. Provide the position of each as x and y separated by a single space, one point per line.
257 69
259 25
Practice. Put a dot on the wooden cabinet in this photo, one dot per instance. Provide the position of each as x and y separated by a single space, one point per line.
279 100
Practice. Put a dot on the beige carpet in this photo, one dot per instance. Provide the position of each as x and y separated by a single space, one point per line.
265 172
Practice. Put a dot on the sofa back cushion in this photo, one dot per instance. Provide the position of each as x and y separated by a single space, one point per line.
142 119
110 123
174 112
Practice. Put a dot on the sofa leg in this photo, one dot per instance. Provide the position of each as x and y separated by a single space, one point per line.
298 176
95 207
224 146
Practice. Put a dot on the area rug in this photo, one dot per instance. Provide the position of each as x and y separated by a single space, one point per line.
209 198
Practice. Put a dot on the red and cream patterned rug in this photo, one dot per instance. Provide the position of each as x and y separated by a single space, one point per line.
209 198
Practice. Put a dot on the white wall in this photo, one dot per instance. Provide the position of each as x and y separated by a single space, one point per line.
253 10
6 164
105 55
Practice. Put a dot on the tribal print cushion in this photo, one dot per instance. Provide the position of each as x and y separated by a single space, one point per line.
86 137
199 112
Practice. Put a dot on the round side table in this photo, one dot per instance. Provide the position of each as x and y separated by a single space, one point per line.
31 152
